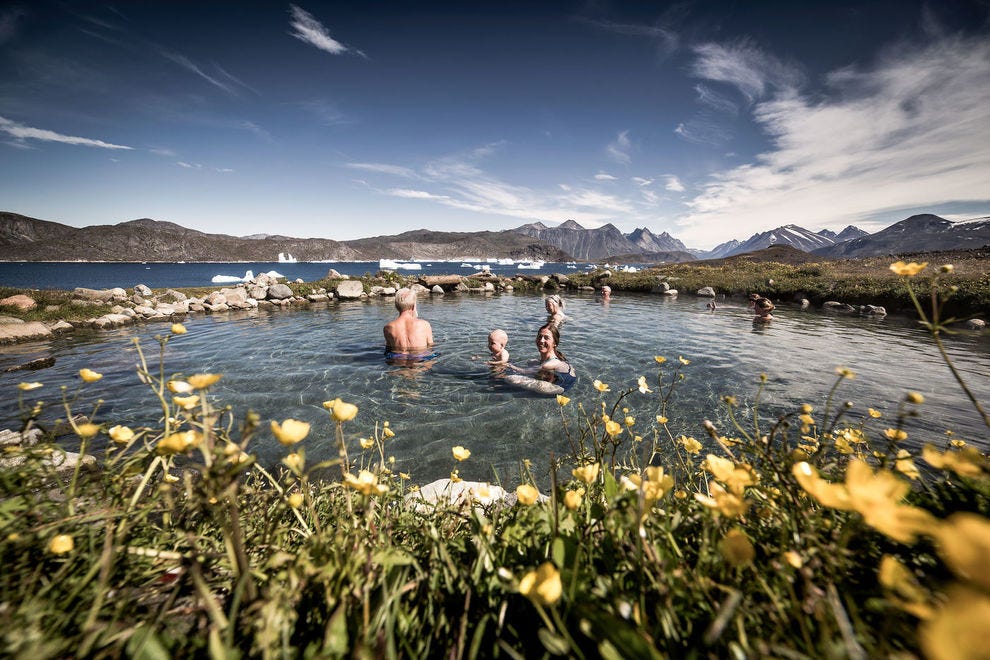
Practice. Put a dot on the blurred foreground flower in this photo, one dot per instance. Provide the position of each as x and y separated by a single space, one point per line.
89 376
120 434
294 462
61 544
562 400
908 269
179 387
87 430
290 431
527 494
959 628
600 386
572 498
179 443
202 381
876 496
542 586
736 548
655 486
963 541
340 410
27 387
460 453
295 500
365 483
643 387
967 462
587 473
178 329
186 402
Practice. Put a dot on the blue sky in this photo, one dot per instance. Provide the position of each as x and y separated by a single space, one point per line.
708 120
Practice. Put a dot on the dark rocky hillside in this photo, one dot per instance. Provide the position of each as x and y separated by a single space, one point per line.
28 239
583 244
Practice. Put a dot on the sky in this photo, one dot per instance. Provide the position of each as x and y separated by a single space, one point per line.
707 120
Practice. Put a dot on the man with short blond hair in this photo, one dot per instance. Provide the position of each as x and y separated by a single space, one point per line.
407 333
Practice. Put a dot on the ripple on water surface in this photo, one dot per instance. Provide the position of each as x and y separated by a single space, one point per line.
286 363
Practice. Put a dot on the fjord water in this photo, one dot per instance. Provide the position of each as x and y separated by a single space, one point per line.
284 364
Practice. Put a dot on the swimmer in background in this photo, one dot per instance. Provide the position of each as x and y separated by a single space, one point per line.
497 341
555 308
753 297
606 293
408 333
763 309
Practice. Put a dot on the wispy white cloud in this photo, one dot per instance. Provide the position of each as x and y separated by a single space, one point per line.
710 98
189 166
326 112
604 176
640 181
666 39
650 197
307 29
752 71
704 129
227 84
909 131
414 194
22 132
672 183
383 168
618 149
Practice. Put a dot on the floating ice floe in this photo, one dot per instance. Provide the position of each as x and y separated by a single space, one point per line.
248 276
286 258
391 264
530 265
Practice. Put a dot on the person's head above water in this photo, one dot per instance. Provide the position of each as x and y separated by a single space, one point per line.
554 304
497 341
764 305
405 299
548 343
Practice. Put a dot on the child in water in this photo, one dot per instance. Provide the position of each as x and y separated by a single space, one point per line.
497 341
763 308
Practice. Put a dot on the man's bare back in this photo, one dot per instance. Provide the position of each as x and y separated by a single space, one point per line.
407 332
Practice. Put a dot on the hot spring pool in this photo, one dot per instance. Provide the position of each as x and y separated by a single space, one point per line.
286 363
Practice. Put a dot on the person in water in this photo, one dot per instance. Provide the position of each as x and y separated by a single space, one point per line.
763 309
606 292
553 374
497 341
555 308
408 333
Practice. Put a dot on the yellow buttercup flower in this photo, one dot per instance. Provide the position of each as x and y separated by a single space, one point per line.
896 577
963 542
27 387
89 376
202 381
958 629
915 398
366 443
643 387
178 329
690 445
875 414
629 420
947 269
294 461
736 477
290 431
120 434
542 586
600 386
460 453
387 431
587 473
661 419
179 387
726 503
365 483
655 486
87 430
793 558
660 359
563 400
967 462
905 465
186 402
455 477
572 498
295 500
341 411
527 494
845 372
908 269
683 360
613 428
807 408
896 434
61 544
178 443
736 548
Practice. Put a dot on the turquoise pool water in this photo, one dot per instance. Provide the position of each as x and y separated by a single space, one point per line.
286 363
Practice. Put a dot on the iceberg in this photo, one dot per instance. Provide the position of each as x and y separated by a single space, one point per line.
286 258
248 276
391 264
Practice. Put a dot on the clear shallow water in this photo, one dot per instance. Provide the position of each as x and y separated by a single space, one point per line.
286 363
69 275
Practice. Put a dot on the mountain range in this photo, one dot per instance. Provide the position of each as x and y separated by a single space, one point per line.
28 239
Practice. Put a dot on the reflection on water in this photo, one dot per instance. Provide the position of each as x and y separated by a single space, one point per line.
286 363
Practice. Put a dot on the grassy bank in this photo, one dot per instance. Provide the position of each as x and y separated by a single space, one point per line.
794 533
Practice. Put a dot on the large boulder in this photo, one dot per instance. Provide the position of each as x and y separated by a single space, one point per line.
14 332
279 292
142 290
835 306
236 298
349 290
445 493
95 295
20 301
332 274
